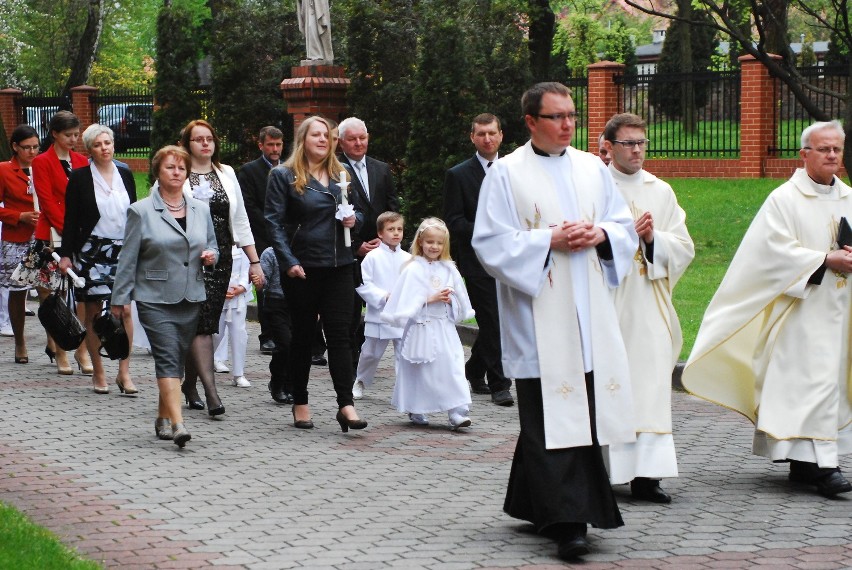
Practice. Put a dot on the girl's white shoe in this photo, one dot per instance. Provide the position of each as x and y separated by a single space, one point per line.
241 382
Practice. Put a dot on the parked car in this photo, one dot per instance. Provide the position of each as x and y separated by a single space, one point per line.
39 118
131 123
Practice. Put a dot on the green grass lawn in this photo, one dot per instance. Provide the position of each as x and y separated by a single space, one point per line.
26 546
718 212
142 187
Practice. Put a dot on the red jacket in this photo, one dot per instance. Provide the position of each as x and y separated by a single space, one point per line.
13 193
50 183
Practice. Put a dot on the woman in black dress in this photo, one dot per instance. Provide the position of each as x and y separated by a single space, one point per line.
216 184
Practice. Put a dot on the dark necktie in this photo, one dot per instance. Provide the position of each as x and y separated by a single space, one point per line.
490 162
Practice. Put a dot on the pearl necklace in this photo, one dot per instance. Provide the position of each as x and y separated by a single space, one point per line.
175 208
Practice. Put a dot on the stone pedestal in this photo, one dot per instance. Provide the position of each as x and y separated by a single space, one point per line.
316 90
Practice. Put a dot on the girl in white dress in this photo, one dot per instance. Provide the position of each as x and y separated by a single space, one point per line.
427 300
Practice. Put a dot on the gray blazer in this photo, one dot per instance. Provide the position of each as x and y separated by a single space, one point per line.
159 262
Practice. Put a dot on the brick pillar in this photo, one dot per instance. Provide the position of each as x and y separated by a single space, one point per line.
316 90
83 105
10 109
757 121
605 98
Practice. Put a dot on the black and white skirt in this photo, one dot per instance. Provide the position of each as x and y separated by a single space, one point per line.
97 263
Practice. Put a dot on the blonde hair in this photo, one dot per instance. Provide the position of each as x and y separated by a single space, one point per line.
297 162
431 224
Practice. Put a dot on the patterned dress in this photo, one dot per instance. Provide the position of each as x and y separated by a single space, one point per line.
215 280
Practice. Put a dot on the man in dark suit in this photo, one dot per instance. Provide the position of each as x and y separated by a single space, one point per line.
372 183
252 178
461 194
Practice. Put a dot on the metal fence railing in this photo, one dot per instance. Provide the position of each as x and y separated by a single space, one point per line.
791 118
37 108
689 115
580 94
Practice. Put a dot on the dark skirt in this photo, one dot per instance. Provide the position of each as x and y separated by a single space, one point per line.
170 329
548 487
97 263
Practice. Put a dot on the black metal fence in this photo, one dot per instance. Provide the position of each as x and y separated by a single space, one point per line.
689 115
580 94
37 108
791 117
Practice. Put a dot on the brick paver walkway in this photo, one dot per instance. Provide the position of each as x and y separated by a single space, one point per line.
250 491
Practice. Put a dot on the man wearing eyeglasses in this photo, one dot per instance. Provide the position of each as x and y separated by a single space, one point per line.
553 230
646 314
774 344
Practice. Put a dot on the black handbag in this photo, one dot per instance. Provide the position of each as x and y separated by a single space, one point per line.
58 318
110 330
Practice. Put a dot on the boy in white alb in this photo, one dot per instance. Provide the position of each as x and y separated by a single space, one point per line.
379 272
232 322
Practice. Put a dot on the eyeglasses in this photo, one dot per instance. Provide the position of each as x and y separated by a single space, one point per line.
559 117
202 140
30 148
826 149
631 144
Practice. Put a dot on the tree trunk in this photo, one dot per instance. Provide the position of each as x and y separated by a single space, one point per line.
847 123
542 22
88 47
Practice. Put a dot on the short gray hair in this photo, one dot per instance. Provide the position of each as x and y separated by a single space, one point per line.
350 123
93 131
806 134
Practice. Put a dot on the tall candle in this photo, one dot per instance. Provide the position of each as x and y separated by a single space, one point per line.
344 185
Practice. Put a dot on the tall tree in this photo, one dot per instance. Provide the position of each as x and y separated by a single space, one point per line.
87 47
542 26
445 88
686 49
257 44
381 47
175 89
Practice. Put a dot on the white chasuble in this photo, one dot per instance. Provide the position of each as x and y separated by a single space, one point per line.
771 346
573 316
647 316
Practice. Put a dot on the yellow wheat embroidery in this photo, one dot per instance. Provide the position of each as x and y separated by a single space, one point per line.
834 230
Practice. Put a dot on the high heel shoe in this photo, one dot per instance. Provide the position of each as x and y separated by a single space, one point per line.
50 354
100 389
86 368
163 428
25 359
180 435
217 411
301 424
62 366
129 391
346 424
193 400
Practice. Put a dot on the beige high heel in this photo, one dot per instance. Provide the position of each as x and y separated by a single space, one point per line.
84 363
62 365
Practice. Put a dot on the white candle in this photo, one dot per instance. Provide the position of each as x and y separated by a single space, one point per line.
344 185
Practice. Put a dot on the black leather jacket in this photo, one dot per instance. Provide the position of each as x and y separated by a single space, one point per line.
302 227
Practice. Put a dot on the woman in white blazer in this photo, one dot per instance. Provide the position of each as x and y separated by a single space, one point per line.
167 239
216 184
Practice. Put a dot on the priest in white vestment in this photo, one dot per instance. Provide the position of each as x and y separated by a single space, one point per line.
774 342
554 232
646 313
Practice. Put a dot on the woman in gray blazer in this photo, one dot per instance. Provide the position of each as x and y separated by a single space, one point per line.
167 239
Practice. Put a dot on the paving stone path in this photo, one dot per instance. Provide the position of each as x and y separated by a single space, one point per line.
250 491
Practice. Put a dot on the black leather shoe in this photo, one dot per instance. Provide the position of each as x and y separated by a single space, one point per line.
833 484
649 490
318 360
478 386
502 398
280 395
573 548
268 347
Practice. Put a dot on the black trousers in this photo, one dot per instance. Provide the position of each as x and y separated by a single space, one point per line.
327 292
276 312
356 329
486 353
552 487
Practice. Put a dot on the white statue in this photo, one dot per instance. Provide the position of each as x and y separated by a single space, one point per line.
315 25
